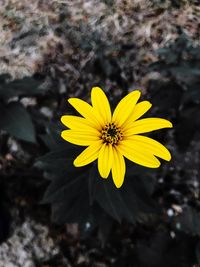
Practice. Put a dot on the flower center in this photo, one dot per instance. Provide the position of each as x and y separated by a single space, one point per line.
111 134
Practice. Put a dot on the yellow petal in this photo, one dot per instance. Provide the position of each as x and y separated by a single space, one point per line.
101 104
146 125
125 107
78 124
136 154
139 110
105 160
86 111
118 168
151 145
88 155
79 138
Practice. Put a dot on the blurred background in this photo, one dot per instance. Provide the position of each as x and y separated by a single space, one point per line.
53 50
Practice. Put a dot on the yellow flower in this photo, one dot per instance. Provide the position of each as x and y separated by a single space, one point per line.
109 138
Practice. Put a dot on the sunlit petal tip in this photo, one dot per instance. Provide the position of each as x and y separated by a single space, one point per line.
97 89
118 183
155 165
168 123
70 100
66 118
88 155
169 157
76 163
104 176
149 104
62 134
75 102
118 168
138 92
62 119
159 163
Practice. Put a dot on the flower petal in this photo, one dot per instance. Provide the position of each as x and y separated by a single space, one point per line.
78 124
88 155
146 125
125 107
152 145
101 104
86 111
79 138
139 110
118 168
136 154
105 160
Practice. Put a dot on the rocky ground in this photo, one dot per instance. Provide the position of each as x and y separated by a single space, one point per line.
73 42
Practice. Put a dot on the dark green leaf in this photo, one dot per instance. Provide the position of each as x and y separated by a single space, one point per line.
15 120
160 249
187 126
73 211
127 202
189 221
58 161
28 86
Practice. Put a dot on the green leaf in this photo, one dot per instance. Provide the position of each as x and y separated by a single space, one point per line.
15 120
157 249
189 221
58 161
65 187
188 124
192 94
77 210
28 86
52 138
197 252
128 202
68 190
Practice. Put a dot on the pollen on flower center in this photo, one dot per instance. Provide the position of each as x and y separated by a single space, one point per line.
111 134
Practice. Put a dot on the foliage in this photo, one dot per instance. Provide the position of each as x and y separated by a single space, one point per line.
82 189
178 88
179 65
133 220
14 117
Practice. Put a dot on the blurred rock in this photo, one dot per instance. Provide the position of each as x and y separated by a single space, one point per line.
30 242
